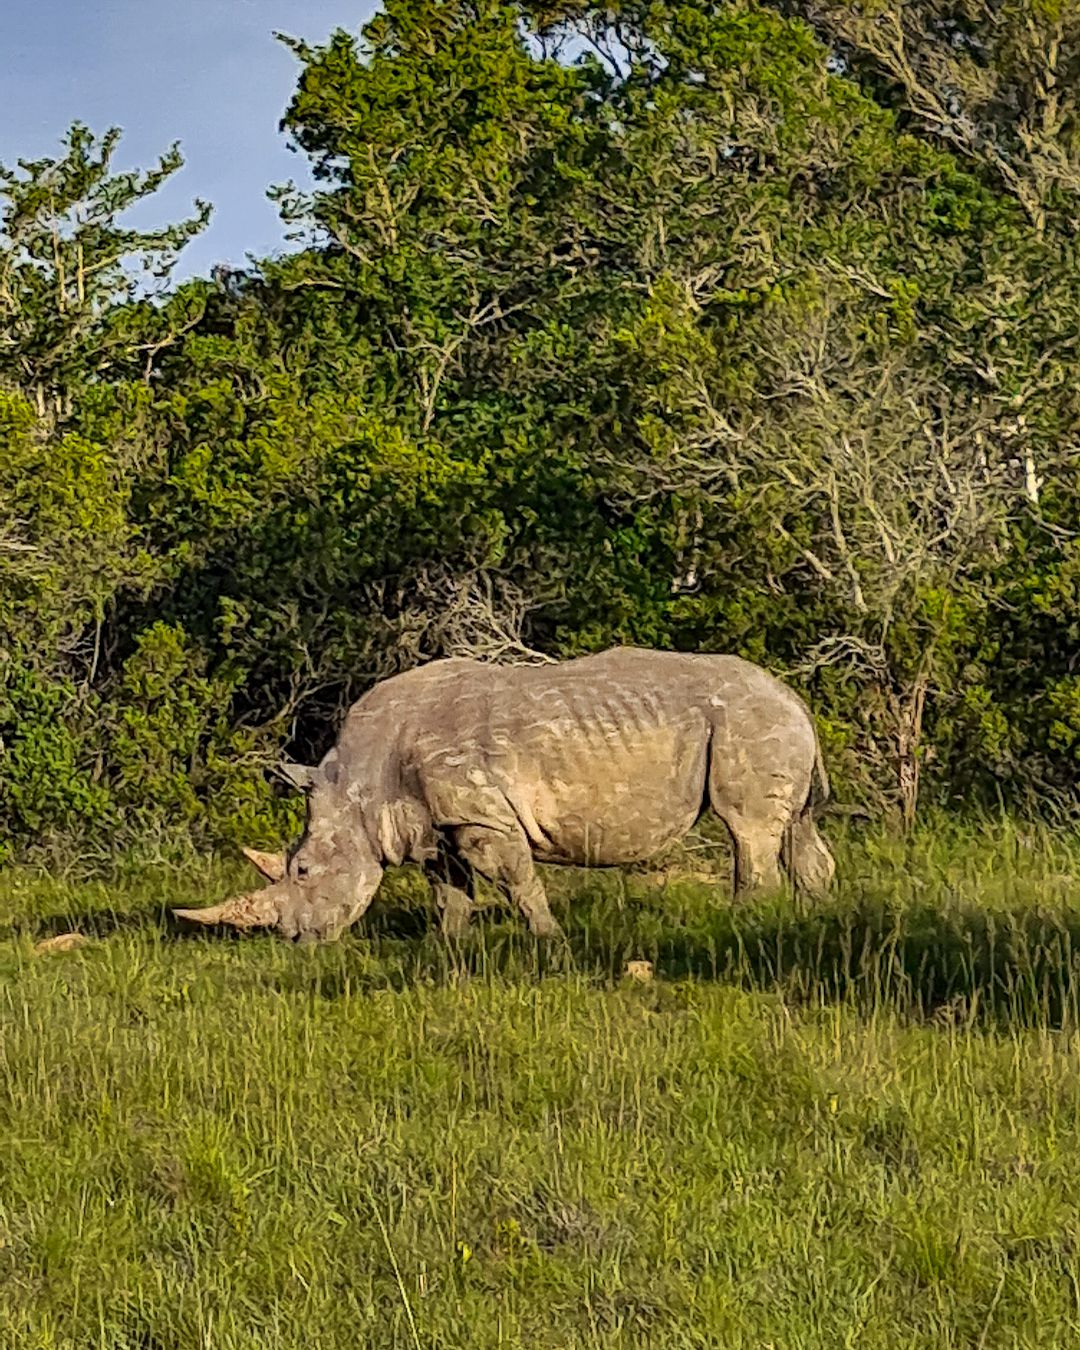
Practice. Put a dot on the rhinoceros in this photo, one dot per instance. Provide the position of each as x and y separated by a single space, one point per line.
469 767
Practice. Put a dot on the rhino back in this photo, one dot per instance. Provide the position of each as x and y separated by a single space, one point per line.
601 770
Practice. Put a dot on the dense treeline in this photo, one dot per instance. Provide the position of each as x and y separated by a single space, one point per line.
737 327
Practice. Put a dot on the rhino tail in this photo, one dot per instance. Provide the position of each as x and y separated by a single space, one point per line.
820 791
820 801
806 854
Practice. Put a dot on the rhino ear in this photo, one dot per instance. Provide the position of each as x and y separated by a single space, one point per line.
302 776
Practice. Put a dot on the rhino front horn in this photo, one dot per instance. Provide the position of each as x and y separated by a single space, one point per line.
271 865
243 912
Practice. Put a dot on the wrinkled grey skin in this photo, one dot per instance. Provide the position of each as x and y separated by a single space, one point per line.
467 767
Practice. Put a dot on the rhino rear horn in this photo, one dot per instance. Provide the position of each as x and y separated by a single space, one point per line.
260 910
302 776
271 865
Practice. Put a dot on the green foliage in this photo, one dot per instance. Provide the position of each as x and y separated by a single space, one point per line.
685 325
47 733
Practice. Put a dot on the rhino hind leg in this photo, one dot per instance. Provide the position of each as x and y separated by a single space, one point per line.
757 787
504 858
758 847
808 858
758 817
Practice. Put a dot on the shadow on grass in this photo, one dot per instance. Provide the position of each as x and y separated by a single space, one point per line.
393 923
950 961
94 922
946 965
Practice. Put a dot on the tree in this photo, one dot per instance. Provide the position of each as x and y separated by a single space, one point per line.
70 270
995 83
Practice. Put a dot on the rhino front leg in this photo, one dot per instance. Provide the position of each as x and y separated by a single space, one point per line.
451 886
456 908
504 857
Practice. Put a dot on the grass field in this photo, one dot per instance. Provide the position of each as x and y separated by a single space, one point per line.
853 1125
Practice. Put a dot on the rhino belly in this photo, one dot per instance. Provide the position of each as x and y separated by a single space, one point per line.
615 803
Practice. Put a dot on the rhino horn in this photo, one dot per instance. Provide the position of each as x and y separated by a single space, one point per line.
259 910
302 776
271 865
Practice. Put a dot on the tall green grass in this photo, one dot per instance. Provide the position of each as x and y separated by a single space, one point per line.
849 1124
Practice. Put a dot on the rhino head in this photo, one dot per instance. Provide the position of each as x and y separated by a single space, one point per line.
325 885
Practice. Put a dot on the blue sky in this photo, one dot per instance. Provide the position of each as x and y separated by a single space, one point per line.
207 73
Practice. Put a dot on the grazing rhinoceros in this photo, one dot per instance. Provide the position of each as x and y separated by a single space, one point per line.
469 767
